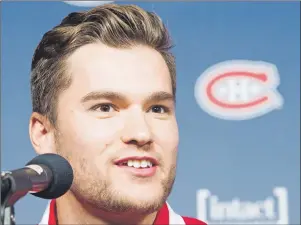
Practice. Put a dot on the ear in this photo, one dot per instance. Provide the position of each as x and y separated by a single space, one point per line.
41 134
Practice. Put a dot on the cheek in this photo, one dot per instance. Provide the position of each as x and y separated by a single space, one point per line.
167 138
86 140
166 134
91 132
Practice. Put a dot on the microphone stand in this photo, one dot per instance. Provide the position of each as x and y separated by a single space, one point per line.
10 195
9 216
7 202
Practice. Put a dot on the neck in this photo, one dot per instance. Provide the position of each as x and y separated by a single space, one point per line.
71 211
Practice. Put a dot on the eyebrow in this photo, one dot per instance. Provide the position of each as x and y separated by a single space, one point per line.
110 95
160 96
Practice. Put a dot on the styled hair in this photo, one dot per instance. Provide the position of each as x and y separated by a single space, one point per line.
118 26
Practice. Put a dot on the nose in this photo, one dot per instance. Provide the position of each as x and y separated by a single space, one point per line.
136 130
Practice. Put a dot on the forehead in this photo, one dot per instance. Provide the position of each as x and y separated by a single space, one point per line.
137 70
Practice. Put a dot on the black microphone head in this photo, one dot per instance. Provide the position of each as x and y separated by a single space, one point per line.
62 175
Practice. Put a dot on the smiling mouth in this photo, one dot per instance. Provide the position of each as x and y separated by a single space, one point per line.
137 164
139 167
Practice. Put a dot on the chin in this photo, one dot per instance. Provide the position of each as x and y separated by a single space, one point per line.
147 197
145 204
142 190
145 194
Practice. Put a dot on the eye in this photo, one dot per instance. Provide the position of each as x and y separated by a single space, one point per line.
103 108
159 109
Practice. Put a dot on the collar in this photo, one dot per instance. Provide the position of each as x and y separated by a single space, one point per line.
165 215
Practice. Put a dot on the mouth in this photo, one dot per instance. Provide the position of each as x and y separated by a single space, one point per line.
138 166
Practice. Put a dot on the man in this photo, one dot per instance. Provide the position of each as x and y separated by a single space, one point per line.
103 89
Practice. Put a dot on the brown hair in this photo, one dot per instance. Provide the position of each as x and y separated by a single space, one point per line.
119 26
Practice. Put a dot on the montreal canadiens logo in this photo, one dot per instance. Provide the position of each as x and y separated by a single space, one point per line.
239 89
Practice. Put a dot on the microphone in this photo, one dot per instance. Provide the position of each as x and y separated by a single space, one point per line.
47 176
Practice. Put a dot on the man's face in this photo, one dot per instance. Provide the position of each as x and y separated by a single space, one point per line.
117 126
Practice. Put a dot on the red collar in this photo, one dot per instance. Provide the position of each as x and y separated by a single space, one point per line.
162 216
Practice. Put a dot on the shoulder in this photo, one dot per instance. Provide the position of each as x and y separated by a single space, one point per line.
193 221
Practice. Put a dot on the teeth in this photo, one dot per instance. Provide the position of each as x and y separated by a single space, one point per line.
136 164
130 163
143 164
139 164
